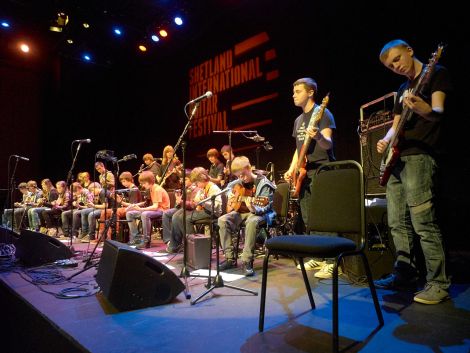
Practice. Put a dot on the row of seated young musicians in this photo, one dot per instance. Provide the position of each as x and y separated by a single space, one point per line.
249 202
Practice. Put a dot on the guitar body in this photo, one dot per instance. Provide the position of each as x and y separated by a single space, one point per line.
297 179
388 162
240 195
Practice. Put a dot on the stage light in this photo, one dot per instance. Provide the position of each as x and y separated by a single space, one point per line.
69 41
178 21
117 31
142 48
5 24
155 38
24 47
86 25
59 22
86 57
163 33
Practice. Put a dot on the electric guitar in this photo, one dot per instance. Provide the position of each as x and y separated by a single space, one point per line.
300 170
392 152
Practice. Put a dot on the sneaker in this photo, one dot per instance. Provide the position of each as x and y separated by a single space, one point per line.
228 264
395 281
248 268
85 239
431 294
174 250
326 272
143 244
313 265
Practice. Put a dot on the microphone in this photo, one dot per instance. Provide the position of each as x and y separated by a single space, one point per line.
129 157
257 138
208 94
267 146
83 141
19 157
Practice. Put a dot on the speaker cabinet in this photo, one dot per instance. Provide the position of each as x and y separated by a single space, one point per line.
132 280
34 248
379 250
376 118
199 250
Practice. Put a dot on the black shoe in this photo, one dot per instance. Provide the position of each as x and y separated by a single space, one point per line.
248 268
396 281
228 264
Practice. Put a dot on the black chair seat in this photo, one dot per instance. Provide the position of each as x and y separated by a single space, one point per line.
309 245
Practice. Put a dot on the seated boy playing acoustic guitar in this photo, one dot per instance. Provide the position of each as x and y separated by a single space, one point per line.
250 203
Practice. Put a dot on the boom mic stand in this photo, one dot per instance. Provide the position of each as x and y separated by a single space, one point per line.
11 191
218 281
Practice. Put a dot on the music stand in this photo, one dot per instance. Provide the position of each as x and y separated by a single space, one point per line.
218 281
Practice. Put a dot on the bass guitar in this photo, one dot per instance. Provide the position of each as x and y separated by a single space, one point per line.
392 152
300 170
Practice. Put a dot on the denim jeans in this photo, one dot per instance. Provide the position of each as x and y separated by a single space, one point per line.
411 210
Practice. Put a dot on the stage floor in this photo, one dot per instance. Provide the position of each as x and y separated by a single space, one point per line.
226 320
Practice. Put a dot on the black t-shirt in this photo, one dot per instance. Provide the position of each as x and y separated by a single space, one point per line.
421 136
315 154
216 170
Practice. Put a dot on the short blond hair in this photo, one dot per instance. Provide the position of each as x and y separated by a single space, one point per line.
239 163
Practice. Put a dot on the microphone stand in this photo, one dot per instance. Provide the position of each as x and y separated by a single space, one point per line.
181 143
111 222
218 281
70 184
11 191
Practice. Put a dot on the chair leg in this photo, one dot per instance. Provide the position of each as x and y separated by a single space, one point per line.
263 292
335 306
372 289
307 283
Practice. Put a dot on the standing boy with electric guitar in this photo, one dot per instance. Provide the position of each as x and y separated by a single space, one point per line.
250 202
409 169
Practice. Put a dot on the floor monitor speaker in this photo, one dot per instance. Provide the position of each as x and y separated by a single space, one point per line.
130 279
34 248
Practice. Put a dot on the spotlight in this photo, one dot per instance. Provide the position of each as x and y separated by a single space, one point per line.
24 47
5 24
163 33
117 31
178 21
59 22
86 57
69 41
155 38
142 48
86 25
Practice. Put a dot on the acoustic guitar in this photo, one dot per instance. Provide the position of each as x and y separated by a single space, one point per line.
242 195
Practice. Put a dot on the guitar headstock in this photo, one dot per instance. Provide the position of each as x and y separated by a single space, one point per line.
433 61
326 99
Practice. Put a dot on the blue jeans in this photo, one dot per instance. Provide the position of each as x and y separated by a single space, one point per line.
411 210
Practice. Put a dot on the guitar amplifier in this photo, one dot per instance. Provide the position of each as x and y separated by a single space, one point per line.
376 118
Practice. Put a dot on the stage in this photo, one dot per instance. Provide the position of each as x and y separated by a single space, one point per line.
225 320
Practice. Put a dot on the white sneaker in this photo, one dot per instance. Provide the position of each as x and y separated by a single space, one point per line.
326 272
313 265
